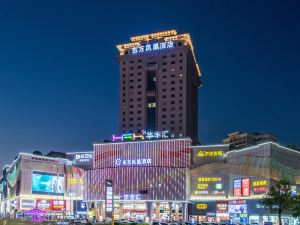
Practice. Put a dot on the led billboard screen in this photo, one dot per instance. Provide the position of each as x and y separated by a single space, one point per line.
47 183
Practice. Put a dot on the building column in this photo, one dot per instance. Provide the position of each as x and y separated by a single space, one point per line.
103 210
149 210
121 205
184 211
177 211
157 211
170 210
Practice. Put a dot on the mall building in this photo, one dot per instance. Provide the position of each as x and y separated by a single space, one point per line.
150 178
229 184
48 183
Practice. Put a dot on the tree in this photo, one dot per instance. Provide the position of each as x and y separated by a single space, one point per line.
279 198
296 207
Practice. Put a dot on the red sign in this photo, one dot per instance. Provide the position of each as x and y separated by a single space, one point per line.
49 204
58 205
246 187
260 190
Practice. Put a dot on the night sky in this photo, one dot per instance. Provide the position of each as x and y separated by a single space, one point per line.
59 77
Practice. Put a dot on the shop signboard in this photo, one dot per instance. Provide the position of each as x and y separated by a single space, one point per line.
237 187
44 204
246 187
47 183
202 207
222 207
108 198
27 203
210 185
80 206
58 205
237 206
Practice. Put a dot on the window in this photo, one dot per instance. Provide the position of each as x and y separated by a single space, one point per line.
131 106
172 89
131 81
164 116
172 95
131 74
131 119
164 63
164 57
139 118
164 96
172 115
139 80
173 69
131 68
123 62
139 112
151 80
164 89
172 122
172 55
173 75
139 86
164 70
139 99
131 125
164 123
180 54
139 124
139 67
180 67
139 60
131 99
164 109
131 87
131 61
139 73
173 62
139 92
164 76
124 81
172 102
173 82
131 113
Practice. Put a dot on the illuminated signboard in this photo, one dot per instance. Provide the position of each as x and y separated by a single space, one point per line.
152 47
109 198
85 157
246 187
237 208
201 206
210 153
237 187
44 204
145 135
132 162
58 205
132 197
210 185
209 179
222 207
46 183
260 187
27 203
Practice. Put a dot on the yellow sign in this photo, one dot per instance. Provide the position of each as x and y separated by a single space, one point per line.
210 153
202 186
209 179
75 181
202 206
259 183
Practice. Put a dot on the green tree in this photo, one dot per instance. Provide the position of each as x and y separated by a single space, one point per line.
279 198
296 207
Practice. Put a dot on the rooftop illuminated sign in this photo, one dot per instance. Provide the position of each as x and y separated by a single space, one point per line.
152 47
145 135
212 153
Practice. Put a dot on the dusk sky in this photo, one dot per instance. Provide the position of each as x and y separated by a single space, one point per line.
59 87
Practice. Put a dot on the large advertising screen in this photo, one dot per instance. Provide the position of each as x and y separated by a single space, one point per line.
237 187
47 183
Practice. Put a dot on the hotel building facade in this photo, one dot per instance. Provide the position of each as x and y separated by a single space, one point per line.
159 81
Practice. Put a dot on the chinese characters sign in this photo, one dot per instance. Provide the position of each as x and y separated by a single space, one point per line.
259 186
212 153
109 199
152 47
241 187
210 186
132 162
144 135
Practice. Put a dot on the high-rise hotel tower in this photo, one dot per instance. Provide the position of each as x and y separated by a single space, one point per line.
159 81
